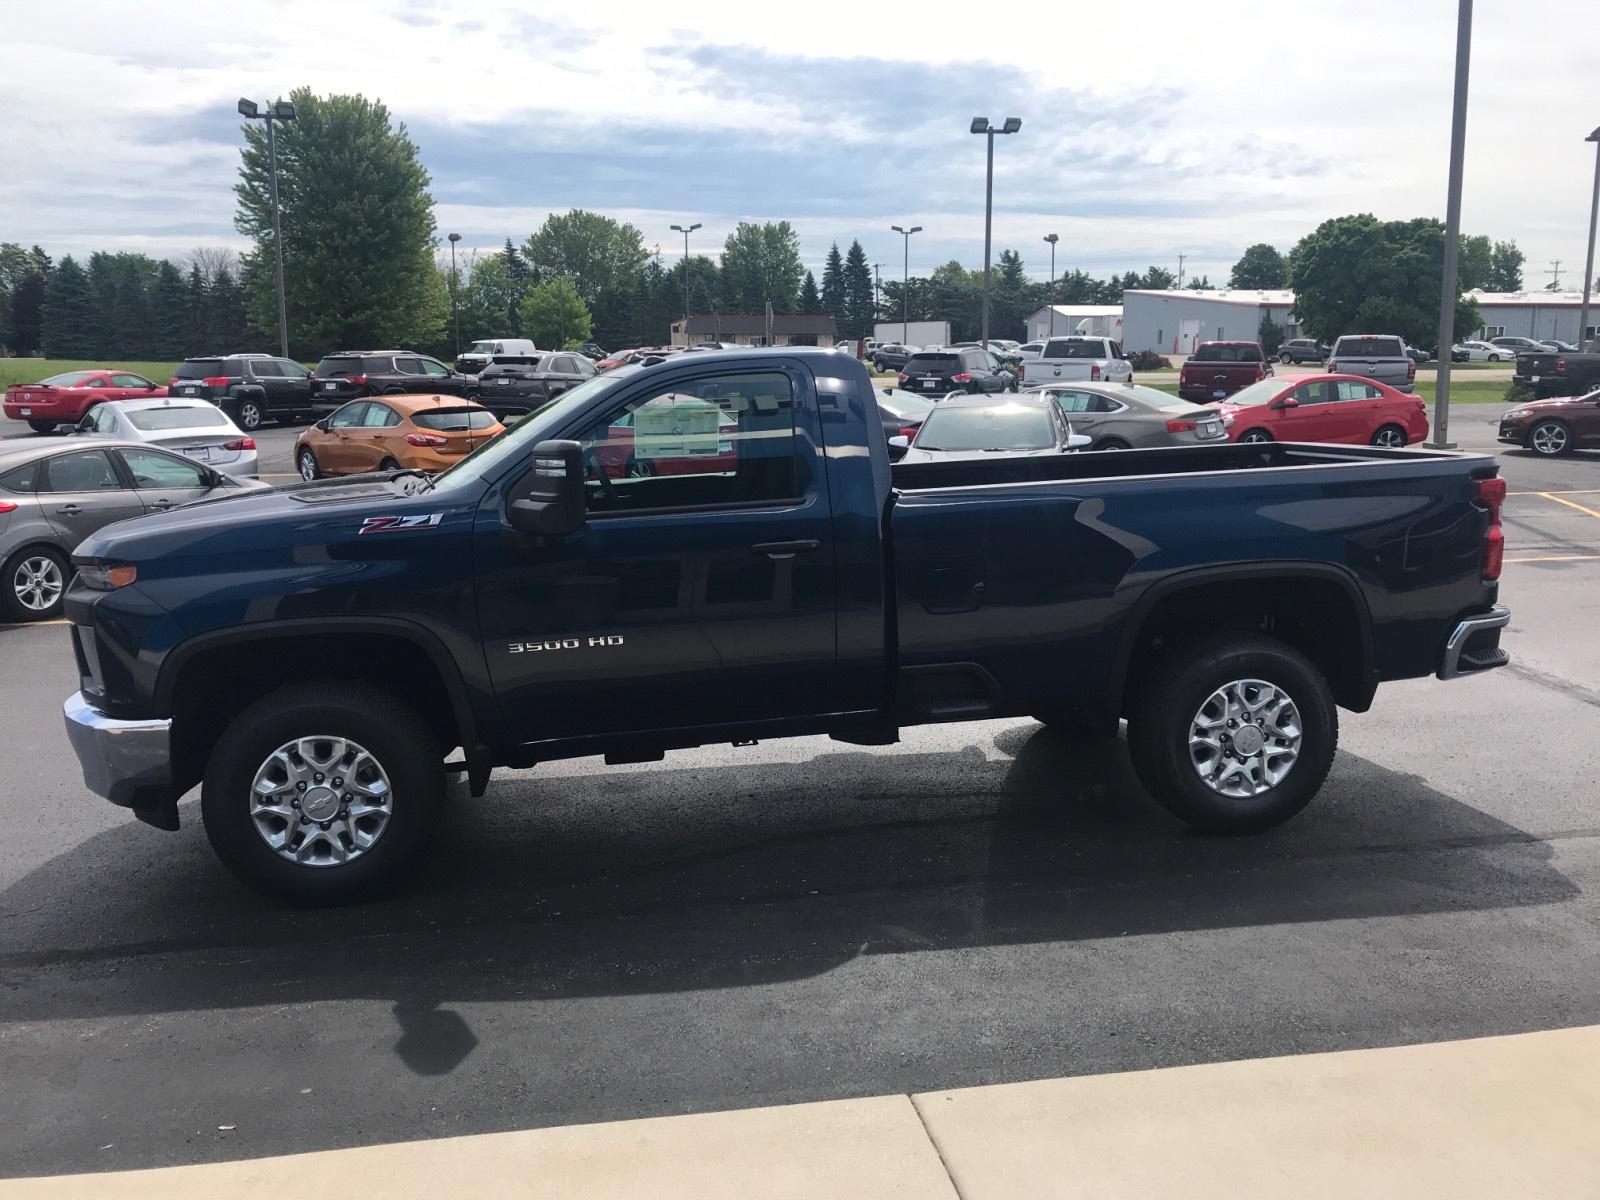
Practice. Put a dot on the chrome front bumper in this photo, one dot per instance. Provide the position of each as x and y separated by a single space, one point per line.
127 762
1462 658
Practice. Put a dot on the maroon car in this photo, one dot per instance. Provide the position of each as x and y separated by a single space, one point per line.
1216 370
1555 426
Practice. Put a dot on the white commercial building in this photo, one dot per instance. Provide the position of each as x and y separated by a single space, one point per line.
1536 315
1058 320
1174 321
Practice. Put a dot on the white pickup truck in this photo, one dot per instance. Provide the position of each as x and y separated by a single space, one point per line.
1095 358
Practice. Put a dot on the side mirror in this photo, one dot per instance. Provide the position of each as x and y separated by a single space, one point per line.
1288 402
900 442
324 425
1077 441
548 501
84 426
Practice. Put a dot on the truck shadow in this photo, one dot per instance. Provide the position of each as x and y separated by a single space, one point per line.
663 881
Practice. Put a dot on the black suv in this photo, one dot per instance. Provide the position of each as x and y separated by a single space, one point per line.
251 388
935 372
514 383
352 374
1299 350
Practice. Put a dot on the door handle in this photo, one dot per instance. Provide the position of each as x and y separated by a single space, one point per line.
786 549
163 503
69 510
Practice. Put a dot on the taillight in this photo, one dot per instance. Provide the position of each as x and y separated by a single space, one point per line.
1411 369
1179 425
7 507
243 443
909 432
1094 372
173 382
358 380
1333 367
902 379
215 381
1261 373
426 439
1491 493
1561 366
963 377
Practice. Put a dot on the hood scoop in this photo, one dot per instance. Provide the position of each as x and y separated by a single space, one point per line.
334 495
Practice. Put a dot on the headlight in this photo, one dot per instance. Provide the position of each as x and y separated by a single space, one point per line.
1515 414
106 577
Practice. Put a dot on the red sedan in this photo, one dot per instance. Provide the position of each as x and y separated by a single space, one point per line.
63 399
1324 408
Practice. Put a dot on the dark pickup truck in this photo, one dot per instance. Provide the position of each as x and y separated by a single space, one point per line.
1216 370
717 549
1553 373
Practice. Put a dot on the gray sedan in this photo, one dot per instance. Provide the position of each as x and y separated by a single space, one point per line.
55 492
196 429
1121 416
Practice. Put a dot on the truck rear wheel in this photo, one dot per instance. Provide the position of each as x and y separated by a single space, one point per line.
321 793
1236 735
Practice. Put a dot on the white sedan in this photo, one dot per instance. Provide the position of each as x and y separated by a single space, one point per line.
1486 352
196 429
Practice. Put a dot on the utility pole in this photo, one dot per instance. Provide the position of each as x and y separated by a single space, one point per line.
905 286
1181 257
1555 275
455 311
1449 291
981 125
875 267
1588 264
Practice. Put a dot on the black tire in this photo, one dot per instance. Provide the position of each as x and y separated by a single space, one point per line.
12 606
249 412
1112 443
1285 358
1255 435
1549 439
306 463
1167 704
392 732
1390 435
42 426
388 464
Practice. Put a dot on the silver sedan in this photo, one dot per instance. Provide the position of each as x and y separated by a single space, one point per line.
196 429
1122 416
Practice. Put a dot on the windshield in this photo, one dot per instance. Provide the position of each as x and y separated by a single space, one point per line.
482 348
172 417
1074 348
494 454
1218 352
198 368
992 427
455 420
903 406
1261 392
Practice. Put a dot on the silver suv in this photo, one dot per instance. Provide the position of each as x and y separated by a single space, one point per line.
1377 356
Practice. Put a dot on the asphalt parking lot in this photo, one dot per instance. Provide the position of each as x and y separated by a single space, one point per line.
803 920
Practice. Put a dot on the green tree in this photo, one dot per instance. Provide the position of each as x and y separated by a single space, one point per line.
832 295
762 263
22 278
1260 266
1474 261
485 300
1014 296
69 313
595 253
810 300
1505 268
554 314
519 277
173 327
857 293
1359 273
1157 279
358 228
227 324
955 294
1270 334
1200 283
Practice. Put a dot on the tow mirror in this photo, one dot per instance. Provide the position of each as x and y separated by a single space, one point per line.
1077 441
549 501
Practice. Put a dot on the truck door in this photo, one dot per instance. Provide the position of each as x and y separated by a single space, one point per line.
701 589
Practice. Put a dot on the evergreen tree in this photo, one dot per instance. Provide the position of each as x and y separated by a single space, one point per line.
195 311
26 301
227 327
810 301
172 325
833 284
69 313
857 293
518 278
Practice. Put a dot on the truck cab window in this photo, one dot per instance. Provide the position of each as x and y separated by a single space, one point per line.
712 441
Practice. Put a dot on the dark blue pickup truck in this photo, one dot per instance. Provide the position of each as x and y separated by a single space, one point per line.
717 549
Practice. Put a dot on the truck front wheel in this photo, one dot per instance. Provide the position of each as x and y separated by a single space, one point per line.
1234 734
323 793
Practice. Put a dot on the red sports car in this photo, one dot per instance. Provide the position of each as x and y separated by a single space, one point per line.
63 399
1324 408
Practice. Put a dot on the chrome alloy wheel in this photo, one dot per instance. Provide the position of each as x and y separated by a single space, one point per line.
37 583
320 801
1245 738
1549 438
1389 437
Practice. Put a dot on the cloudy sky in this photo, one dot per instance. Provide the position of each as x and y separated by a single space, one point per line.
1149 129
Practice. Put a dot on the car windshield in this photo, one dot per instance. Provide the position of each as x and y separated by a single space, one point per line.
171 416
1228 354
69 379
934 362
992 427
1073 348
903 406
1373 347
455 420
339 366
1260 392
482 348
198 368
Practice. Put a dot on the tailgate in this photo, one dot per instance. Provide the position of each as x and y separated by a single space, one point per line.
1534 364
1053 370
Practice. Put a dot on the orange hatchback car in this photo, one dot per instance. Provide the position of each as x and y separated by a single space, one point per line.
391 433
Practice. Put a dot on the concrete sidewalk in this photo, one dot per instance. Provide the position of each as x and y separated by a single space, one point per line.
1494 1117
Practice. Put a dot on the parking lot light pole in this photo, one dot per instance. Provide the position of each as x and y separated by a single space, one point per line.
1449 292
455 311
981 125
283 110
905 285
875 267
1588 263
686 230
1052 239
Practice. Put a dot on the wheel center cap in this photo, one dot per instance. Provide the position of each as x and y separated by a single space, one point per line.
1248 741
320 803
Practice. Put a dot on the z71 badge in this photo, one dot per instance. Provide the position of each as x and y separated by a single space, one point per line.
394 524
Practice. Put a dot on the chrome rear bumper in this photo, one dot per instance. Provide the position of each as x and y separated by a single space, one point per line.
1466 655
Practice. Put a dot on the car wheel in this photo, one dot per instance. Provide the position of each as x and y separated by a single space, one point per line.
1390 436
323 792
1112 443
1256 435
1284 358
1234 733
306 461
635 469
42 426
1550 438
388 464
1494 358
249 417
35 584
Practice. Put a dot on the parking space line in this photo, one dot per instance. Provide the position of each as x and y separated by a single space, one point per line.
1559 492
1557 558
35 624
1595 513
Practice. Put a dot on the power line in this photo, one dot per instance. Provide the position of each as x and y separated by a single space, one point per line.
1555 274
